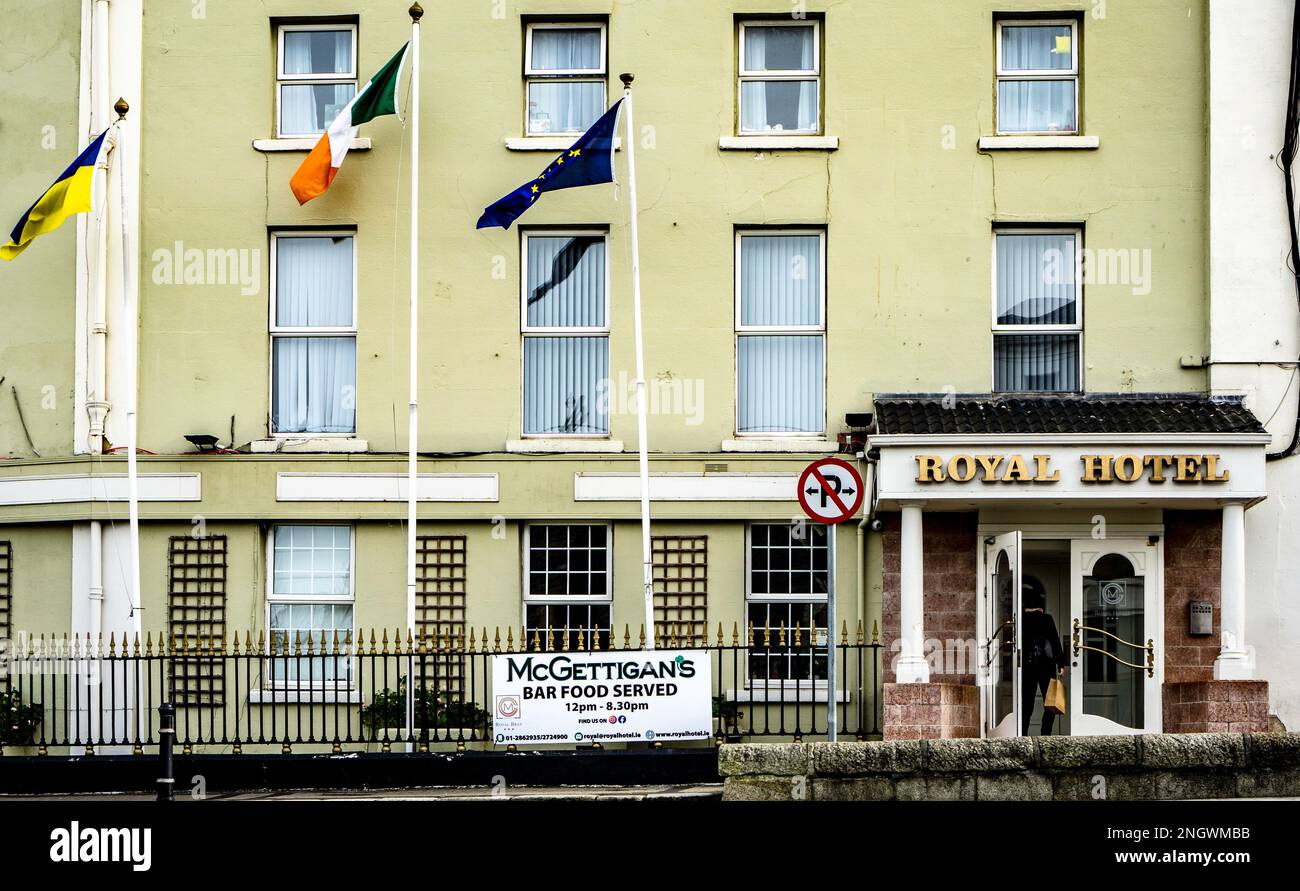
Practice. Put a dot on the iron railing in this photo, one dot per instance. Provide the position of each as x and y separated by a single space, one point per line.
82 697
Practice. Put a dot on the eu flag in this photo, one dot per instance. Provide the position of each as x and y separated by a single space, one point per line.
588 162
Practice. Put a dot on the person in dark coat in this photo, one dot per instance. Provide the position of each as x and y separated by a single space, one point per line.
1042 655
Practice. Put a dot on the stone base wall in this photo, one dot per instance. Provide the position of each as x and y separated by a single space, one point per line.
1216 707
931 711
1063 768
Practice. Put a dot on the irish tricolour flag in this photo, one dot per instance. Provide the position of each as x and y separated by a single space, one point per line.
377 97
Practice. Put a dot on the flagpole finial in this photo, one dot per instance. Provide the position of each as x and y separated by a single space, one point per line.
627 80
121 108
416 11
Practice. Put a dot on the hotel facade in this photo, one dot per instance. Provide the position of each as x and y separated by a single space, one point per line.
991 253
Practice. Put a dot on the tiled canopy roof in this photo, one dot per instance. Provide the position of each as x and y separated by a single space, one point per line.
929 413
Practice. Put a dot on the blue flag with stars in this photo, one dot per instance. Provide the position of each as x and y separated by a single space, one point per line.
588 162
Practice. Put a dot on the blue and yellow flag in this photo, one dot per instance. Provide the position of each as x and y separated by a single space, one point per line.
588 161
70 193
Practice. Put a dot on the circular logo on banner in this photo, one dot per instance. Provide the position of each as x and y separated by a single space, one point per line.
1112 593
830 491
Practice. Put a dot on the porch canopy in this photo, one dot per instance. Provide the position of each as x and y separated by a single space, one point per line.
979 452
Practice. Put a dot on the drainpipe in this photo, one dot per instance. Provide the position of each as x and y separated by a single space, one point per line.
868 515
97 402
96 597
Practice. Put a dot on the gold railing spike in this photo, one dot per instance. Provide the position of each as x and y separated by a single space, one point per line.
99 645
171 642
471 638
642 636
510 638
627 637
550 639
496 639
582 639
297 641
875 632
1151 657
767 635
861 636
410 641
750 638
112 646
384 642
844 633
334 643
564 639
781 639
798 636
595 640
135 644
235 645
261 640
148 643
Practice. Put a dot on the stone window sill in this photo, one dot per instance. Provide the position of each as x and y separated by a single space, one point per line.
548 143
304 144
779 143
341 445
814 694
1023 143
564 446
799 446
290 696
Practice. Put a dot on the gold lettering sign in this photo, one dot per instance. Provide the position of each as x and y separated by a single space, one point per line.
1129 468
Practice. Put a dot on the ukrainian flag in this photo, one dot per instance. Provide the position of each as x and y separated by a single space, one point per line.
70 193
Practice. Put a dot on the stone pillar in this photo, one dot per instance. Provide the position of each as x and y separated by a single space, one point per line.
912 667
1234 662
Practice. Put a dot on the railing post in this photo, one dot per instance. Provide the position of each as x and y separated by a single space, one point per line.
166 737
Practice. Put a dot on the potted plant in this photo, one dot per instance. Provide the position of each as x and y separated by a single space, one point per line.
18 720
432 711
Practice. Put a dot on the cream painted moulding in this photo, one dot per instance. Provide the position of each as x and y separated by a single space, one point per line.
779 143
1030 143
445 487
305 144
72 488
686 487
1242 455
549 143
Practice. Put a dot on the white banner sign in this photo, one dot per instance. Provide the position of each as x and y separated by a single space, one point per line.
607 697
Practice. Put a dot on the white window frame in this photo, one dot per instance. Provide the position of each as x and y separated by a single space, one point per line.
268 680
1076 328
281 78
277 331
569 75
752 683
742 330
530 599
745 75
526 331
1071 74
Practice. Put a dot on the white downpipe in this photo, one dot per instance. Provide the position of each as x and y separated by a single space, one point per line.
96 616
97 404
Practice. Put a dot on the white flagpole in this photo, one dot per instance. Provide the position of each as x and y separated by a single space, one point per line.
647 578
413 419
132 318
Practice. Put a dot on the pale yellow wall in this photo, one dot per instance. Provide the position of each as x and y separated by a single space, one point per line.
38 139
40 598
909 260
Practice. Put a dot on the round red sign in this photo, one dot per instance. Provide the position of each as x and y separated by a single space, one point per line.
830 491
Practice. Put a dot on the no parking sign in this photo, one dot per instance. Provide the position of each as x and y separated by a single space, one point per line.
830 491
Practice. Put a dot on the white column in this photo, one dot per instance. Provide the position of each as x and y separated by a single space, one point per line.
1235 662
912 667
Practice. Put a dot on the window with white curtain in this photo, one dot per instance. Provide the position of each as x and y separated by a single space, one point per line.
1037 311
310 604
567 587
564 71
780 77
1038 77
780 332
786 587
313 333
316 76
565 314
